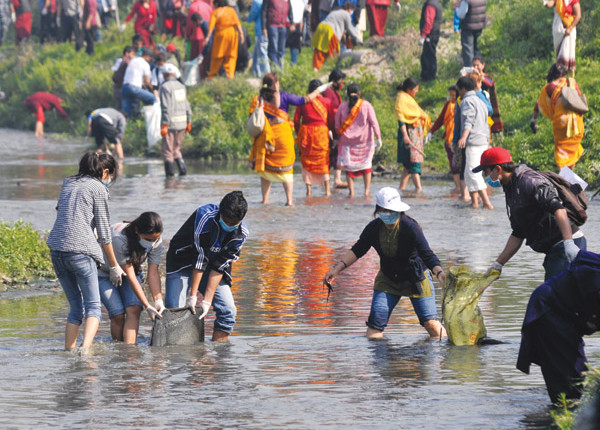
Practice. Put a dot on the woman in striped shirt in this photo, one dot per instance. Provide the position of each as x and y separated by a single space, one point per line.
80 233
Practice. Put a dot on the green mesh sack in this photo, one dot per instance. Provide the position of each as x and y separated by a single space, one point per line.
177 327
462 317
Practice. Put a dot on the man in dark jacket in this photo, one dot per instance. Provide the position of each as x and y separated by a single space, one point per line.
431 20
472 22
536 213
200 256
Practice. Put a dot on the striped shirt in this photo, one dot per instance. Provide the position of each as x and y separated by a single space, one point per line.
82 213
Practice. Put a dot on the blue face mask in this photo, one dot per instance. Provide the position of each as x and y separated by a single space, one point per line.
107 183
491 183
226 227
389 218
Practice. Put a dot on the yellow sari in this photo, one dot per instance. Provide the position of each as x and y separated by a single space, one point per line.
567 126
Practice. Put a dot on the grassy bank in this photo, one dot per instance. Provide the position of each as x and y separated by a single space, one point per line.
24 255
517 46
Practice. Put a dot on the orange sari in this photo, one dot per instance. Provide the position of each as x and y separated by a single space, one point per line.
313 141
224 21
281 158
567 126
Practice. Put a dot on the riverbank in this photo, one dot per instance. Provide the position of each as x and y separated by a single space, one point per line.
516 45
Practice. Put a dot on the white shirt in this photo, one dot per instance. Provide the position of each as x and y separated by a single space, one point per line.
298 7
136 70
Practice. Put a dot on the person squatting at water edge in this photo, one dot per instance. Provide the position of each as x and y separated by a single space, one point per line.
107 123
79 235
199 259
133 243
536 213
359 137
272 155
404 257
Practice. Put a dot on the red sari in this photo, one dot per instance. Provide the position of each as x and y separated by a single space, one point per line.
313 139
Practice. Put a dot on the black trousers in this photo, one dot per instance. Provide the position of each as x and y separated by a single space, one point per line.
70 26
102 129
429 60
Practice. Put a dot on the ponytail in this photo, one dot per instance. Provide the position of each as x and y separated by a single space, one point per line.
93 164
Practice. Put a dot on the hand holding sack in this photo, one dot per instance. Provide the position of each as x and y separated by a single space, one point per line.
190 303
205 308
153 313
496 266
160 306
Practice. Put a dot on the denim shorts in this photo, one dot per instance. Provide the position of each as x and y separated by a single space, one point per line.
384 303
178 285
116 299
78 277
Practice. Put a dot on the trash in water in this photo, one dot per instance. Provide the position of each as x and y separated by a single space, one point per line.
177 327
462 317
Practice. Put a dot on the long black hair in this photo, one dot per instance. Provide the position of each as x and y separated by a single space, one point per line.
93 164
146 223
408 84
353 92
267 91
556 71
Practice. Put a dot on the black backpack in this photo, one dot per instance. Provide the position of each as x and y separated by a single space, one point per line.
573 198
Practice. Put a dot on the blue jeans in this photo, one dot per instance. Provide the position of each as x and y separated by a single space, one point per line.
556 261
468 40
260 56
116 299
178 285
131 96
384 303
294 55
78 277
276 48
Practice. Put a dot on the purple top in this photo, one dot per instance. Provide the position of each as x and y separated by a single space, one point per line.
287 99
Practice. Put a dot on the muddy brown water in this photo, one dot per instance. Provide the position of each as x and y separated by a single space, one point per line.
294 360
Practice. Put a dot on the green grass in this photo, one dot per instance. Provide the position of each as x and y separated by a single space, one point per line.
24 256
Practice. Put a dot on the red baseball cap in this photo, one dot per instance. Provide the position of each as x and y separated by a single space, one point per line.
171 47
492 157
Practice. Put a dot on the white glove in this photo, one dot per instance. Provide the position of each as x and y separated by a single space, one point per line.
153 313
160 306
399 6
13 17
323 87
427 138
190 302
115 275
58 21
571 250
378 145
44 11
421 41
496 266
123 27
205 308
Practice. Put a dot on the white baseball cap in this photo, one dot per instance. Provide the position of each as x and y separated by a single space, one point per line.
171 69
389 198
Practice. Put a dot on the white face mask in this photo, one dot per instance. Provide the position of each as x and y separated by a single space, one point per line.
148 245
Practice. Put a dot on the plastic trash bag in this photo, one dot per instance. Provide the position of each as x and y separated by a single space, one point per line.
177 327
191 71
462 317
152 116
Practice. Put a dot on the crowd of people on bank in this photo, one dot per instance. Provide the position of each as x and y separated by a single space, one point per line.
336 131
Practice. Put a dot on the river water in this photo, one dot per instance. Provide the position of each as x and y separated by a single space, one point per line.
294 359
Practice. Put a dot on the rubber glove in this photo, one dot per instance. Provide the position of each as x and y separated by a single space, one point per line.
58 21
323 87
160 306
44 11
115 275
164 130
205 308
190 302
496 266
188 128
421 41
571 250
153 313
13 17
378 145
398 6
428 138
